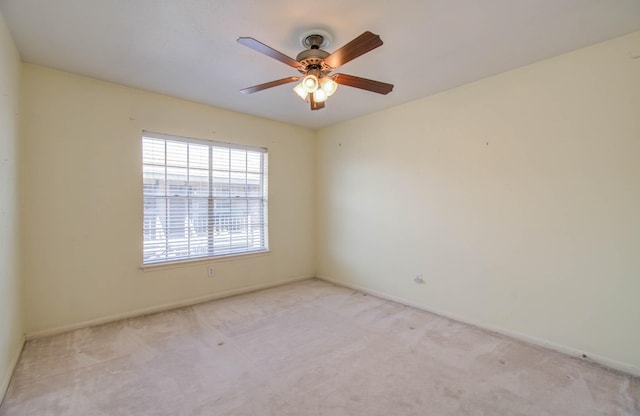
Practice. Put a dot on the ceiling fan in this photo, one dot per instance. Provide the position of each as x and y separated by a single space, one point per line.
316 64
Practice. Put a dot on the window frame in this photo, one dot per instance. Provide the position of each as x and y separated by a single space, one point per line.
236 220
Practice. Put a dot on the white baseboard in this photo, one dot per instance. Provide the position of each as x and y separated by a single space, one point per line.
573 352
6 378
159 308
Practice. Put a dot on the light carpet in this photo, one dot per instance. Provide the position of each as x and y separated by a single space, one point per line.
307 348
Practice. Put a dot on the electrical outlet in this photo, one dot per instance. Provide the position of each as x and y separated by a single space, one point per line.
418 278
211 272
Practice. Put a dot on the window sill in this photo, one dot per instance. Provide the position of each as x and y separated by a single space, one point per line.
203 260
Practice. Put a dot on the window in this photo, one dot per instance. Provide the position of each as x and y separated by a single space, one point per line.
202 198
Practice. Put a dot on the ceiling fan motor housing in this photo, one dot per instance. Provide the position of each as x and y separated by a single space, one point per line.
313 59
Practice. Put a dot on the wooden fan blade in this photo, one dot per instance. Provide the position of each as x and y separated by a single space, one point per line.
269 51
359 46
256 88
363 83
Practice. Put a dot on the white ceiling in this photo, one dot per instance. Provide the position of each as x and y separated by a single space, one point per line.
188 48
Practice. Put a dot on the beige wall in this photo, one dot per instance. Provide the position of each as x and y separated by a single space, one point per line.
11 323
82 201
517 197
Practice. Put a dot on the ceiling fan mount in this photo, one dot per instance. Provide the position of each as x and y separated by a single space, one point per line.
317 84
315 38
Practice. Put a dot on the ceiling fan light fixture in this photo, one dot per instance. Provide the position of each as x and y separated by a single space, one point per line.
328 85
302 93
320 95
310 83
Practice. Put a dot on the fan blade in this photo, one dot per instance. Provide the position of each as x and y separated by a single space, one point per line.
256 88
266 50
359 46
363 83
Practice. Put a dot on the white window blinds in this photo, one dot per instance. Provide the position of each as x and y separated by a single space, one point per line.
202 198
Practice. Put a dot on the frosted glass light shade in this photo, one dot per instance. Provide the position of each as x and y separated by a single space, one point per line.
310 83
299 89
320 95
328 85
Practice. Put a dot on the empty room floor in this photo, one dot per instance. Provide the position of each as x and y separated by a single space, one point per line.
306 348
